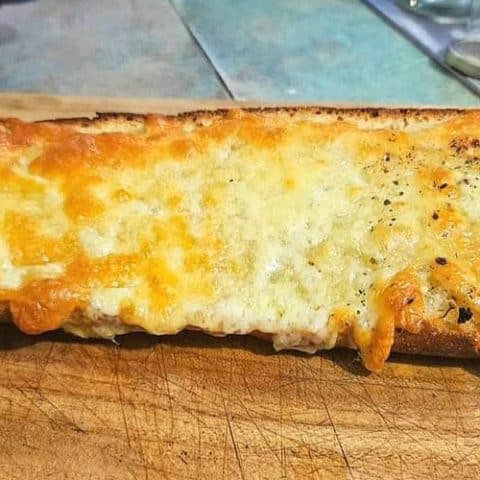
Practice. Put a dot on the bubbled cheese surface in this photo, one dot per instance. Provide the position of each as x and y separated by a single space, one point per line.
238 222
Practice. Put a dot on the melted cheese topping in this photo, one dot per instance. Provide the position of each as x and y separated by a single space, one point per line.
306 228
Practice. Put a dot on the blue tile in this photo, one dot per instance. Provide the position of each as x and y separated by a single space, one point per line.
117 47
328 50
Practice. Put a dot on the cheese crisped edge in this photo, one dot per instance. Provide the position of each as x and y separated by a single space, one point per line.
433 151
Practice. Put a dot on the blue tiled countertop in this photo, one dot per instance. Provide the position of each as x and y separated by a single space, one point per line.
302 50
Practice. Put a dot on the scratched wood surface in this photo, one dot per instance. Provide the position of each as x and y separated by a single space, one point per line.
191 406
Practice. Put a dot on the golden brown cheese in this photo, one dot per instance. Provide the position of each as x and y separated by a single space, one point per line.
314 227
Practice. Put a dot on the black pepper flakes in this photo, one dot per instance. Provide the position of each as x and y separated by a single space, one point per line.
464 314
442 186
395 182
435 216
441 260
387 202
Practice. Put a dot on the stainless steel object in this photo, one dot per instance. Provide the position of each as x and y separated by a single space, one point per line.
444 11
464 55
431 36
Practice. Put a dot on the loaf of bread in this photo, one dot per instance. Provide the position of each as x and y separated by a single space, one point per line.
312 227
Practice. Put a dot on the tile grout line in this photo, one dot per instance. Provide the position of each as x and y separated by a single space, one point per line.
202 50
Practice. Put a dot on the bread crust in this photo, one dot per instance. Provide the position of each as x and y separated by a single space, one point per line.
405 115
431 341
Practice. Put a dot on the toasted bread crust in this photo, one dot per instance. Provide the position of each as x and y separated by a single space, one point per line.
404 116
430 341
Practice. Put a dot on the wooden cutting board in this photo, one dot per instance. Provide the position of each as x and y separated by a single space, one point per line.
191 406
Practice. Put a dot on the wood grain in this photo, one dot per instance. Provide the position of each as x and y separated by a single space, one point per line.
191 406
